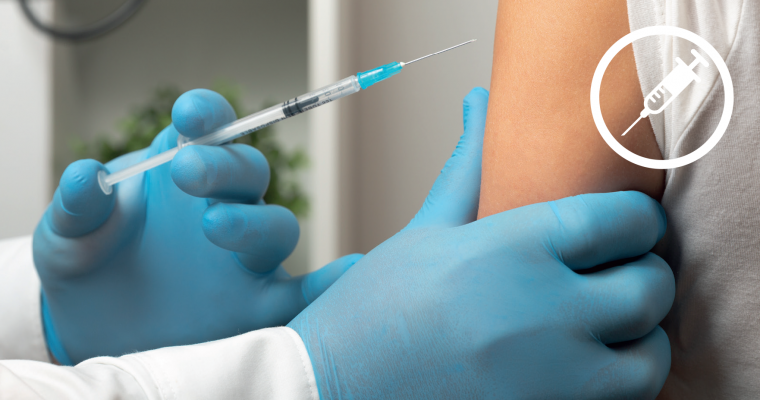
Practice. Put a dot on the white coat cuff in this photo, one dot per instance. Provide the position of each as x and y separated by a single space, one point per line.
21 335
265 364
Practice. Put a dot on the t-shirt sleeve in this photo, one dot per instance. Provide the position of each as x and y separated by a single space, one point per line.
21 335
715 21
266 364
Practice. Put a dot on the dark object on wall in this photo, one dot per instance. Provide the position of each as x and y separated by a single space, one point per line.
105 25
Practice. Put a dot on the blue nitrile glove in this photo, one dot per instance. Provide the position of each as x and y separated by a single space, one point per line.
454 309
160 262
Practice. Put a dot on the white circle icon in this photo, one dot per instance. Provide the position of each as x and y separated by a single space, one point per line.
717 60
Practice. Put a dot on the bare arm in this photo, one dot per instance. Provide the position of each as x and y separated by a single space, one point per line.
541 143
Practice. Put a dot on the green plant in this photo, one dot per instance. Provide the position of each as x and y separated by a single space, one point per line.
140 127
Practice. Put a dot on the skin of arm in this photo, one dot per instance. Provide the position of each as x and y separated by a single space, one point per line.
541 143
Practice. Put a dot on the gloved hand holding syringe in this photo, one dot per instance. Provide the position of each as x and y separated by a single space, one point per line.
674 84
267 117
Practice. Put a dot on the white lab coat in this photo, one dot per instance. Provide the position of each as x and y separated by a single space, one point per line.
267 364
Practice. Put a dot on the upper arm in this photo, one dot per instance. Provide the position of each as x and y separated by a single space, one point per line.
541 142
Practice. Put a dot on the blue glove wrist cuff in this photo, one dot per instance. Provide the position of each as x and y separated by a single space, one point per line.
54 345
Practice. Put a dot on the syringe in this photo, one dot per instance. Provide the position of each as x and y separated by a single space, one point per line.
269 116
675 83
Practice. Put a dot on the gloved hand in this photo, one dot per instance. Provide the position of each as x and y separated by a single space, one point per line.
183 254
452 309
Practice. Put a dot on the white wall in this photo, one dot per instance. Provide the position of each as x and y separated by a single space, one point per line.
409 126
25 120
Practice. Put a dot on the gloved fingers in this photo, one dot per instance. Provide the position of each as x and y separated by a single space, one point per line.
234 172
262 236
583 231
201 111
628 301
598 228
638 371
79 204
453 200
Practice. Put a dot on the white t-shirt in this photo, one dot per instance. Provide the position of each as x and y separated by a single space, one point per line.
713 237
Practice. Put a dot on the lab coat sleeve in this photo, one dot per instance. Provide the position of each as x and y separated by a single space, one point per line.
266 364
21 335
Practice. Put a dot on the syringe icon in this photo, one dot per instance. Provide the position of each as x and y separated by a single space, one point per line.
675 83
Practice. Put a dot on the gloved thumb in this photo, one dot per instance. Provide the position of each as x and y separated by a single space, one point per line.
79 205
454 198
289 296
315 283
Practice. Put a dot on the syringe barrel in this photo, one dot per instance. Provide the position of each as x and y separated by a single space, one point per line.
277 113
652 99
670 87
322 96
680 78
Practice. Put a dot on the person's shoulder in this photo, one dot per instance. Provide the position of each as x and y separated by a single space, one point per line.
716 21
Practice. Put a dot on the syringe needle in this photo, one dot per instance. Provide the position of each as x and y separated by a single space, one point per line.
632 125
438 52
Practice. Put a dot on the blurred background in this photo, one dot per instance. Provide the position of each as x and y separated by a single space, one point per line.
355 171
